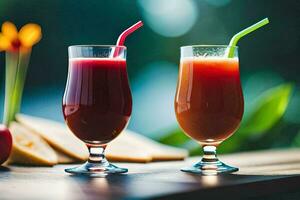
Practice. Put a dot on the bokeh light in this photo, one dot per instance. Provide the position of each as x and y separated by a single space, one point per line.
170 18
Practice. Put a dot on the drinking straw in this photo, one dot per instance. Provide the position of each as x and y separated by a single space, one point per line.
234 40
122 37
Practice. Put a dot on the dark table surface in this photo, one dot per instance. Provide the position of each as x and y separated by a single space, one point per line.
263 175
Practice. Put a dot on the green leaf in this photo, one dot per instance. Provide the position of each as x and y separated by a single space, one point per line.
175 138
268 110
231 144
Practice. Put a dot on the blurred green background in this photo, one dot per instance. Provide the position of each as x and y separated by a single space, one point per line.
268 59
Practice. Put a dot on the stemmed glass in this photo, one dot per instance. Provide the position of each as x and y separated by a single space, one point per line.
209 101
97 102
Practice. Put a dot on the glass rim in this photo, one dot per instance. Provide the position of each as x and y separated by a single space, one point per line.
97 45
209 46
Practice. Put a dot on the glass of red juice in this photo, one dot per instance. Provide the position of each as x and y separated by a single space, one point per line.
97 102
209 102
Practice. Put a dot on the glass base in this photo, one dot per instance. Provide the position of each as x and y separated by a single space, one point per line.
210 168
96 169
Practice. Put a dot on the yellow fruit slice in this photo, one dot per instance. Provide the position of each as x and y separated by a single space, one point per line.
29 148
134 142
63 158
127 147
121 151
57 135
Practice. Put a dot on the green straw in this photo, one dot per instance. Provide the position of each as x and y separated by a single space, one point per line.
234 40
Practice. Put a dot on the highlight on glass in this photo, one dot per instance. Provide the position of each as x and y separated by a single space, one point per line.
209 102
97 102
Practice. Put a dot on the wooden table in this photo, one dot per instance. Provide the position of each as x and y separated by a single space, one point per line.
263 175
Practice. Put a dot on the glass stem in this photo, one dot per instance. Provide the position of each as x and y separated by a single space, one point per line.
209 154
97 154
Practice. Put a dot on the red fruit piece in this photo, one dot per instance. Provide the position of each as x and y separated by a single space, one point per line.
5 143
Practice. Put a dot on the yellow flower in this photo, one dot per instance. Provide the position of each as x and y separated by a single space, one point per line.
12 40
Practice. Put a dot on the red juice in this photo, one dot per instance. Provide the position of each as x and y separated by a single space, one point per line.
97 103
209 101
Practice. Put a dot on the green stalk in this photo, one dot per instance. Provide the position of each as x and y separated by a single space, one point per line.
11 65
19 83
234 40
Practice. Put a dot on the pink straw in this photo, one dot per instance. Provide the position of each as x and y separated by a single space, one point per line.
122 37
